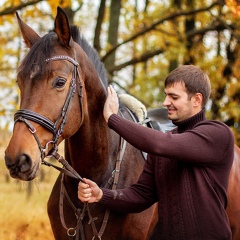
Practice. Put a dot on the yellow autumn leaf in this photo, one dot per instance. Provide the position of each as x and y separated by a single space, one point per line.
234 6
61 3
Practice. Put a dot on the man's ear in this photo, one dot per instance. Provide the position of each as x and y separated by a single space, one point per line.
197 99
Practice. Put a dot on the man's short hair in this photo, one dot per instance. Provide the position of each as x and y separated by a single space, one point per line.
195 80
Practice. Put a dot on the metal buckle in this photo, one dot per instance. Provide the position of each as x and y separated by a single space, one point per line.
32 129
46 149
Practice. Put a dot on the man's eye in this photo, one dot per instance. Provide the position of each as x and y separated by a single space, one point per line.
60 82
174 97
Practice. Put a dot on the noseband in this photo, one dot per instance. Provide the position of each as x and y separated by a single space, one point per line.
24 115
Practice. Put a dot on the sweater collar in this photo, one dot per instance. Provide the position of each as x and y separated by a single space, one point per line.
190 122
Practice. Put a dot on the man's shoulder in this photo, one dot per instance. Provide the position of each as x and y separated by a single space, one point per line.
215 123
216 127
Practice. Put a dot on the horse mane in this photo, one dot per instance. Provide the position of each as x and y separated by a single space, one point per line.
34 64
91 53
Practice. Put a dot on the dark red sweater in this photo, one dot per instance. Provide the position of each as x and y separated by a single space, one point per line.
186 172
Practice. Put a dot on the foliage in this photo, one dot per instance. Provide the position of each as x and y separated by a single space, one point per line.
24 204
234 6
22 217
153 38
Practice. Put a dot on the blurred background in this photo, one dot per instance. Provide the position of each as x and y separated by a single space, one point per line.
140 42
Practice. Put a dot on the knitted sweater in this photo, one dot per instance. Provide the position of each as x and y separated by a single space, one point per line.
186 172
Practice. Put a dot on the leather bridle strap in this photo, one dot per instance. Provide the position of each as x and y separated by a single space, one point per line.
68 169
115 177
35 117
79 213
72 89
114 186
63 57
33 131
55 128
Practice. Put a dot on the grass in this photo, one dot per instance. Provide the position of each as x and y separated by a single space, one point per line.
24 217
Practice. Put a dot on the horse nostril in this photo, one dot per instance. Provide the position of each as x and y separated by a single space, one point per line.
24 163
8 161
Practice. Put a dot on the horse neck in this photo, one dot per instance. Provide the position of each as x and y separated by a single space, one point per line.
91 149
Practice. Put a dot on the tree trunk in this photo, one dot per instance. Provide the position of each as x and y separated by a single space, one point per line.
113 31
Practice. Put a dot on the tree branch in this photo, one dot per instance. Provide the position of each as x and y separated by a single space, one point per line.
13 9
154 25
135 60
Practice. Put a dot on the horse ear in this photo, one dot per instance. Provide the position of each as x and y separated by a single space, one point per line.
62 28
29 35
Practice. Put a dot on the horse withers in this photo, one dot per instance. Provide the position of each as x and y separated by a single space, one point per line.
62 91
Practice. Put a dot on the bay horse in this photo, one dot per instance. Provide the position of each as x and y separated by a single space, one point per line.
233 209
62 91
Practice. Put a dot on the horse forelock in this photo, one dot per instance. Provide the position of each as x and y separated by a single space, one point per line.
34 64
91 53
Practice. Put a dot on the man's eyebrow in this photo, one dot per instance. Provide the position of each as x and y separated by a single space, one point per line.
171 94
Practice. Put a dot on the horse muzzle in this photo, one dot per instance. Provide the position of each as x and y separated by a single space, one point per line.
23 167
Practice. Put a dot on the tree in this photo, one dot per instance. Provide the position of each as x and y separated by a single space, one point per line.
140 42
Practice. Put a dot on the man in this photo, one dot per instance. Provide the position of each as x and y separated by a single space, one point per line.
187 170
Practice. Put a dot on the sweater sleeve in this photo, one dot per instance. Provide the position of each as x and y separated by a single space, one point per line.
197 145
135 198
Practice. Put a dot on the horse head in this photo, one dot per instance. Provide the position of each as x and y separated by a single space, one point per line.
54 105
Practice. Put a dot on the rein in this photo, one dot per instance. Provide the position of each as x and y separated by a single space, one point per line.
80 213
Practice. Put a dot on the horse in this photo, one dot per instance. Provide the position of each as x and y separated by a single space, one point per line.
63 88
233 209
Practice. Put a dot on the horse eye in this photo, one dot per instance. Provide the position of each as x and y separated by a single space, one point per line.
60 83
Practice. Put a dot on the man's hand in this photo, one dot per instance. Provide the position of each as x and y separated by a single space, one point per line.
89 191
111 105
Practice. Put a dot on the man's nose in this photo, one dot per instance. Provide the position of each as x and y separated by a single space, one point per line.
166 102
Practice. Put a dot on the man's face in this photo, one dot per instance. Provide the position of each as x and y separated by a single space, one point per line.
177 101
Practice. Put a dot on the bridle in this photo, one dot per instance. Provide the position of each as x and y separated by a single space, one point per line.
24 115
